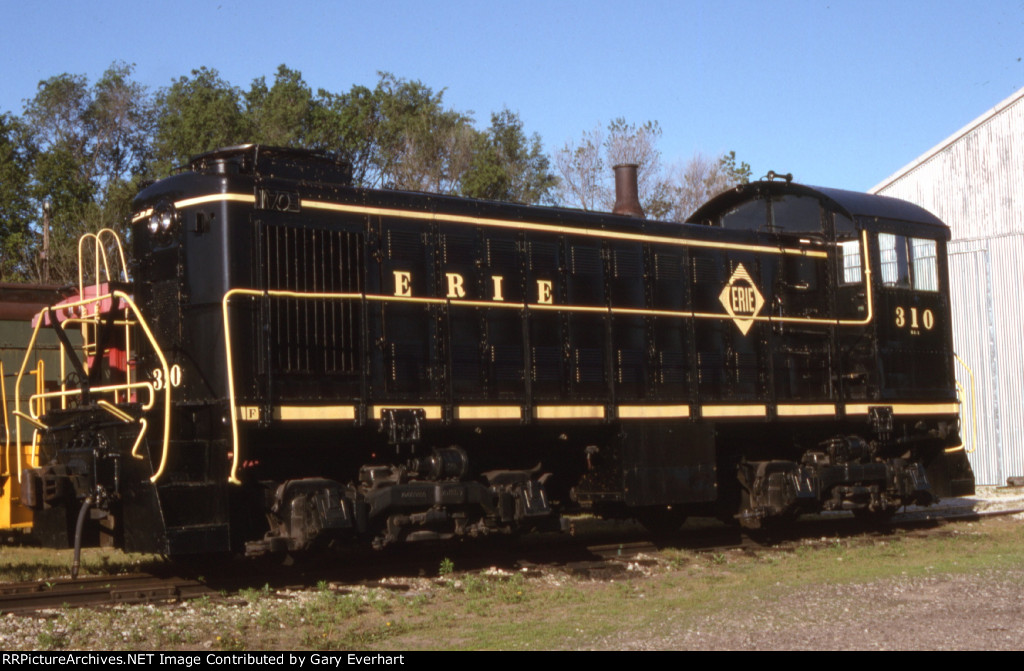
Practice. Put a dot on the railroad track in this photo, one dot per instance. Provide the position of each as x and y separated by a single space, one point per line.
720 539
599 561
954 514
19 597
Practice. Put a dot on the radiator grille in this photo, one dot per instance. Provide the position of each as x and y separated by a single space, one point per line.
312 335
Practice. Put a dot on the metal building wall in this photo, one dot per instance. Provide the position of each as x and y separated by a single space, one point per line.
972 181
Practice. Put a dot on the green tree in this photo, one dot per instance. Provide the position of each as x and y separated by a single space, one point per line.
507 165
196 114
85 148
734 174
282 114
90 143
58 179
120 120
64 171
105 128
347 124
57 114
398 134
16 209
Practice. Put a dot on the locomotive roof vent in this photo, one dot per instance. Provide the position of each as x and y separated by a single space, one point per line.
627 194
274 162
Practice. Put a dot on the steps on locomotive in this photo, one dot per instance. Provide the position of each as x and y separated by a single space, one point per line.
198 539
196 518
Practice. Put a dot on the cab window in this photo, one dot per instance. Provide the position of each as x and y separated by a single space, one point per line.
796 214
788 213
892 256
908 263
851 264
750 216
849 252
925 272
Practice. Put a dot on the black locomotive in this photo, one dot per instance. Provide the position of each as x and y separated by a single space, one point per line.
298 362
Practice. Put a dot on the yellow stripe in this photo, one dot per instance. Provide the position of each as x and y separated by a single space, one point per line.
571 308
653 411
639 312
733 411
813 409
569 412
465 412
501 223
431 411
906 408
144 214
199 200
550 228
288 413
402 299
477 412
486 304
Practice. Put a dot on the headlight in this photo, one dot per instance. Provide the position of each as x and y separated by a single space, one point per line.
163 219
166 219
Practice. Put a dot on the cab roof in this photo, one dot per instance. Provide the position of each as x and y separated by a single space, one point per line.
853 204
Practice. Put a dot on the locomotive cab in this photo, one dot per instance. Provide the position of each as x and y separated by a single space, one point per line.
888 343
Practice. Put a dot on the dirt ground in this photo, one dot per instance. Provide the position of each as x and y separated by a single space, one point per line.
962 612
949 612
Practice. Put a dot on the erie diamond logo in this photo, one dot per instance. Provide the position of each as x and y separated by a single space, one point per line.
741 299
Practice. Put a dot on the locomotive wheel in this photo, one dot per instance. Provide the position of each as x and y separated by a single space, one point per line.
661 519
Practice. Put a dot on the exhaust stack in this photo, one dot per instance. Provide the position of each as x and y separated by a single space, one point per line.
627 194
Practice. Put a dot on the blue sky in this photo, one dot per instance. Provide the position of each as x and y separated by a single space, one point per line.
841 94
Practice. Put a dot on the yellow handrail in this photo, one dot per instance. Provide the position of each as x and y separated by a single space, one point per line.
100 254
36 400
6 467
973 405
233 477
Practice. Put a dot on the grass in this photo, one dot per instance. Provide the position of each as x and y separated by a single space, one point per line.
508 610
20 563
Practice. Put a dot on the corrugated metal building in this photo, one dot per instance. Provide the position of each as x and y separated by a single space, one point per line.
974 181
